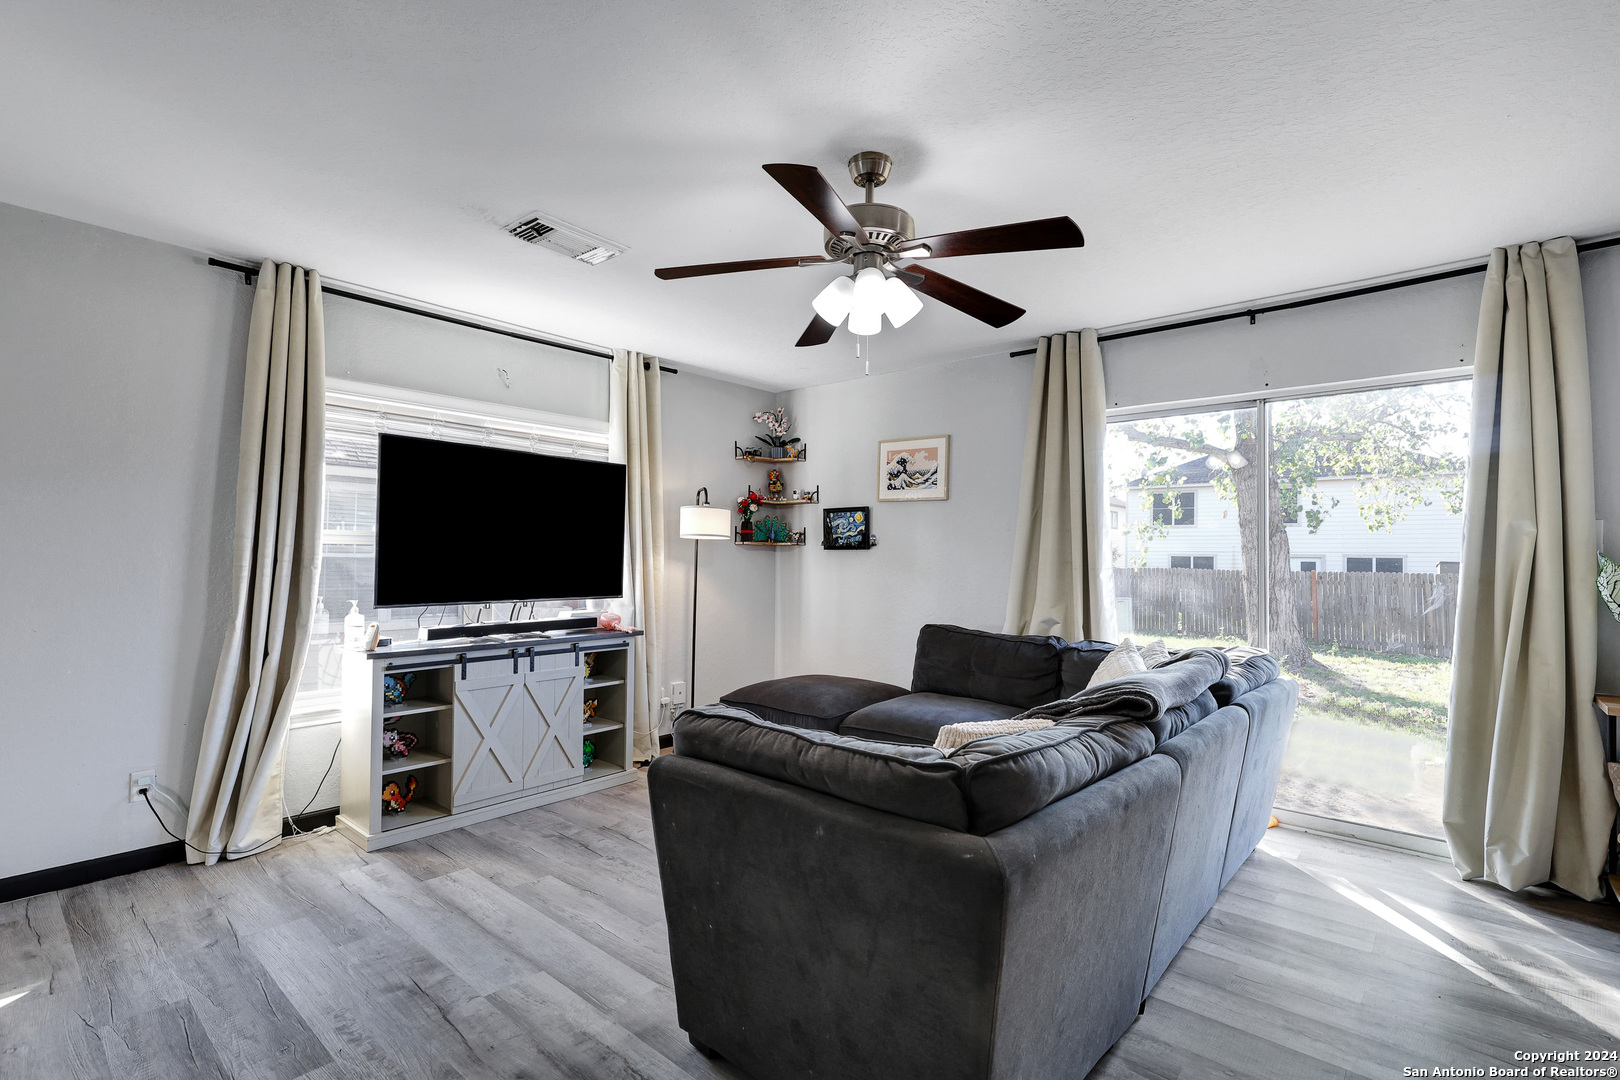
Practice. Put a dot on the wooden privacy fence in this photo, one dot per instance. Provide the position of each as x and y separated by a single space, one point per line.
1414 614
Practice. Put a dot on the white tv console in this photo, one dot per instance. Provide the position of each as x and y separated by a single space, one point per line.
500 727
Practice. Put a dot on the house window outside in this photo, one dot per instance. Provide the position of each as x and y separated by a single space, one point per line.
1177 508
1378 565
1192 562
1450 568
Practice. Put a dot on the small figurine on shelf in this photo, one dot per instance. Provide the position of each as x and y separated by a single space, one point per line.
396 799
395 687
591 705
773 483
746 506
589 754
590 664
777 444
398 744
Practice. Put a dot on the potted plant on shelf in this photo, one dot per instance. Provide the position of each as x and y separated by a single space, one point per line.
777 425
746 505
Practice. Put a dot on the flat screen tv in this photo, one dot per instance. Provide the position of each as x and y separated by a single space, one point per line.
460 524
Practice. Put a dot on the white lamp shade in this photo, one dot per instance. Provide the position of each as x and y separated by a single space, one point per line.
899 302
705 523
866 309
833 302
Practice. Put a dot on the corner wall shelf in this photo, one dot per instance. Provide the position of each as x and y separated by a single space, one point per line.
739 454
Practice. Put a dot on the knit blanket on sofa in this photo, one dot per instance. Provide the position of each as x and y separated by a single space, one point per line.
1143 696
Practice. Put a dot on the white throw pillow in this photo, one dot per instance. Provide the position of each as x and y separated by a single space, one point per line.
1155 653
1125 660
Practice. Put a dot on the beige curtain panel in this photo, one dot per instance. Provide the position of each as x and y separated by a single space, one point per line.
1525 795
1062 575
236 799
637 435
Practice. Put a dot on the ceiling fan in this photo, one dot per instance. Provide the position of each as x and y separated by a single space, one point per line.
880 240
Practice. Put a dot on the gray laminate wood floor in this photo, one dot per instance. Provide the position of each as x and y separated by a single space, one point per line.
534 946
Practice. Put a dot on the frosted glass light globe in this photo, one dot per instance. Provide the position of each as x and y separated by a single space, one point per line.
866 311
899 302
833 302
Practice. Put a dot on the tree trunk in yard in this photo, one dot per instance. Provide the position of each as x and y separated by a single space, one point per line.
1288 642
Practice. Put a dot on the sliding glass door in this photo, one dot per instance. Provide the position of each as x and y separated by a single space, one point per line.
1369 511
1337 549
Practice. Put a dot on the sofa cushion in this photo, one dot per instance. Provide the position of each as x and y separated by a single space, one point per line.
1016 671
1250 670
811 701
917 718
987 785
1078 663
1009 777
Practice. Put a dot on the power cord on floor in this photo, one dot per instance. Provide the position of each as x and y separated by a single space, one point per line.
296 830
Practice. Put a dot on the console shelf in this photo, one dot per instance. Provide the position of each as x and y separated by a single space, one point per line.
419 759
412 706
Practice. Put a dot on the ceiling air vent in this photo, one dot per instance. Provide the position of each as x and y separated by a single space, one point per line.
545 231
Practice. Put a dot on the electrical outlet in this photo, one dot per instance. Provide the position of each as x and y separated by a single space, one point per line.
140 781
677 692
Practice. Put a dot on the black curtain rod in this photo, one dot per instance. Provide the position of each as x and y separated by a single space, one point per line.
1343 294
250 272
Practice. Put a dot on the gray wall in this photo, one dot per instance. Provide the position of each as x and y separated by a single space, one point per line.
857 612
120 405
737 586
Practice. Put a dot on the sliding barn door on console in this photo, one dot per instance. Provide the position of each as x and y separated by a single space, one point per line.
554 698
490 718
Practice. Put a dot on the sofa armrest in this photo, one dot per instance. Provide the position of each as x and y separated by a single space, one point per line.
1084 881
812 937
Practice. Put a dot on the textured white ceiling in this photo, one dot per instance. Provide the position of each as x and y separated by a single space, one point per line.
1212 152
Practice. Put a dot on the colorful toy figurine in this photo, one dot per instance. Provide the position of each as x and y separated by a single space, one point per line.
396 799
398 744
589 754
590 664
773 482
396 686
591 705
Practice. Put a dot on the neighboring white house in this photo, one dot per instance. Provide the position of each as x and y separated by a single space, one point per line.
1203 535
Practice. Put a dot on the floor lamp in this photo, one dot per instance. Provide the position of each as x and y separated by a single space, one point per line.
700 522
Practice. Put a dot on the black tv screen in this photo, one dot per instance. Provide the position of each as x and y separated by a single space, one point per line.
459 524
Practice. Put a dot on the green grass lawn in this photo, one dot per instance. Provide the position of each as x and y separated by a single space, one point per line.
1389 690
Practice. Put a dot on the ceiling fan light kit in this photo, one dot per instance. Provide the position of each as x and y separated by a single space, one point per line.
873 238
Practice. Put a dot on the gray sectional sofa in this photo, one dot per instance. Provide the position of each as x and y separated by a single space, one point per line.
845 905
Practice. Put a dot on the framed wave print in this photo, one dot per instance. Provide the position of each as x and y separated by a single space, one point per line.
914 470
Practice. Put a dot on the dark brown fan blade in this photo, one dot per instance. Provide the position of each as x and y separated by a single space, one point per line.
964 298
819 332
1057 232
805 183
702 270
